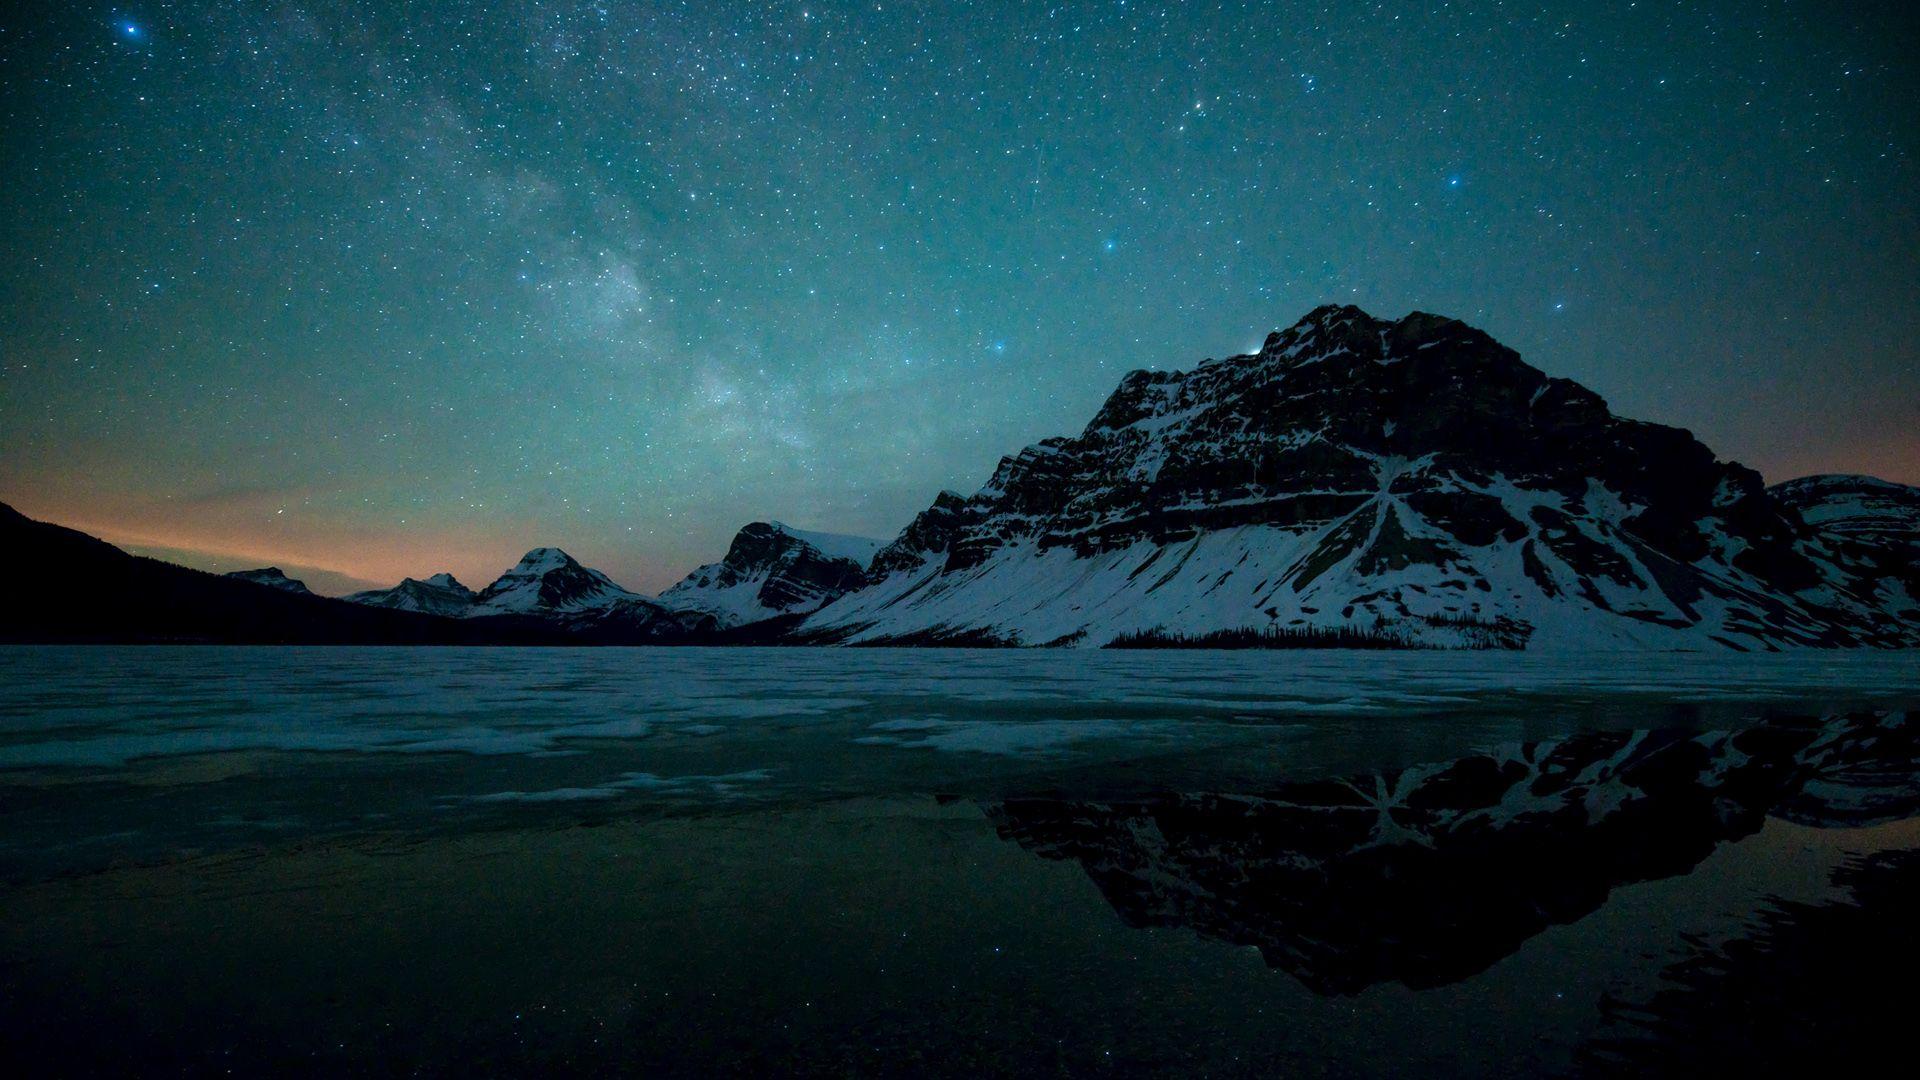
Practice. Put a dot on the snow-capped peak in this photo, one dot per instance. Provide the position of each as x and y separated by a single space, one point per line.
542 559
547 579
858 549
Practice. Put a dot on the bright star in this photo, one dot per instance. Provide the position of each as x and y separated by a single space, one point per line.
1110 245
1453 181
131 30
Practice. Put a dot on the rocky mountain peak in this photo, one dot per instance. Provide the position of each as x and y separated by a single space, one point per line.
440 594
547 579
1410 472
542 559
773 569
930 534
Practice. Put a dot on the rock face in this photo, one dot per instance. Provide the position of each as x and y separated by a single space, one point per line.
1864 509
1430 874
1411 480
274 578
440 594
770 570
1871 525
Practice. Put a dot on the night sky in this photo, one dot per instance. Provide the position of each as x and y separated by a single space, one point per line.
371 289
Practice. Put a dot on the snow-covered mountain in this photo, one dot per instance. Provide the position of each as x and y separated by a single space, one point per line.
547 580
1863 508
440 594
772 569
274 578
1410 481
548 587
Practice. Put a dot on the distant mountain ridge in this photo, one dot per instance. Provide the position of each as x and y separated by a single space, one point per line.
1357 481
770 571
549 587
273 577
86 590
1864 508
440 594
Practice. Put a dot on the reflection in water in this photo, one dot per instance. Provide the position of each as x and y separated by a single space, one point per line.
1811 989
1430 874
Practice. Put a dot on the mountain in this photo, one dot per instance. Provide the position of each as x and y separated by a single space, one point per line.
272 577
548 581
1861 508
1409 482
1356 482
1429 874
772 570
550 589
79 588
1872 524
549 585
440 594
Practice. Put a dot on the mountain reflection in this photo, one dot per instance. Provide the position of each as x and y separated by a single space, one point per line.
1430 874
1809 989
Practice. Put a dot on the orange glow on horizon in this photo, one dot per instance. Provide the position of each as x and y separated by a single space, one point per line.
356 557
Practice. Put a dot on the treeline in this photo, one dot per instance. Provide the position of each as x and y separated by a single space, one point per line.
1473 635
1272 637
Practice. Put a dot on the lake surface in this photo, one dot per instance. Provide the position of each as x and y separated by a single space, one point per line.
951 862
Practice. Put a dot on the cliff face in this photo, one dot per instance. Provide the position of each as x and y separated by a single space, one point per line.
772 570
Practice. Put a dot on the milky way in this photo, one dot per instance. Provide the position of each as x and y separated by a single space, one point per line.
379 289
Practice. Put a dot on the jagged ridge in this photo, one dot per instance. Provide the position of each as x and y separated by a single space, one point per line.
772 570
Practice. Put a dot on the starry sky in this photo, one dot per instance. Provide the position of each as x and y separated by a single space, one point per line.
374 289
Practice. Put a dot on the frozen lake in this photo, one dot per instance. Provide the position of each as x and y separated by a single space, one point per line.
833 861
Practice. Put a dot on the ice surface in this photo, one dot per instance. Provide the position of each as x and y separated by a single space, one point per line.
107 707
111 753
1001 736
717 785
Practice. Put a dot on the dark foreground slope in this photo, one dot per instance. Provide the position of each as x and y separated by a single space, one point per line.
69 586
